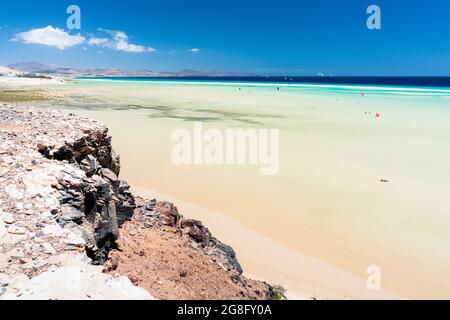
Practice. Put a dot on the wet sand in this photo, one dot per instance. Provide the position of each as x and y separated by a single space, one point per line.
265 259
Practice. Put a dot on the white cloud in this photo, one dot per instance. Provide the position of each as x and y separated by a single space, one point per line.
97 41
62 40
49 36
120 35
119 42
194 50
123 45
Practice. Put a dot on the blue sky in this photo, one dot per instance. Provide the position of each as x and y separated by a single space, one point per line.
298 37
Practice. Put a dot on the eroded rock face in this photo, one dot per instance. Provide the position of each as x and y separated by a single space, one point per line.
80 177
92 151
98 206
97 201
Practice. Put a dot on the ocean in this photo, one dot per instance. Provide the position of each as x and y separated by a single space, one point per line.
390 81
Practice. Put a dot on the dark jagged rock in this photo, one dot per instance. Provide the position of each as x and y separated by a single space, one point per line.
92 152
71 214
103 202
89 165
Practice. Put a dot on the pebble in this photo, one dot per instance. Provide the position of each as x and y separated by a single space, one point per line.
52 230
8 219
183 274
48 248
16 253
108 174
13 192
75 241
17 230
26 261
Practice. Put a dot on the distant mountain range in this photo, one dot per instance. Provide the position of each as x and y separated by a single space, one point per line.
39 68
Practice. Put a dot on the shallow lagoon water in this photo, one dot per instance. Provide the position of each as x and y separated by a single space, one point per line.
328 200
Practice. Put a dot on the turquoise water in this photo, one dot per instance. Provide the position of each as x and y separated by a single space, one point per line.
270 86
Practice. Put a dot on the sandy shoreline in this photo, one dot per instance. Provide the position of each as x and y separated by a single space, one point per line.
283 230
262 258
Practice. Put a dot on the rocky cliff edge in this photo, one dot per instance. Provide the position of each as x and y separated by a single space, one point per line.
71 229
